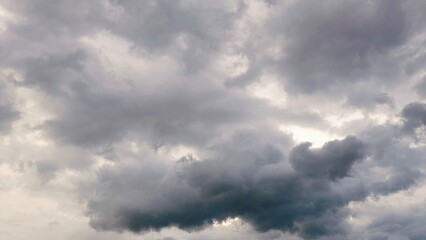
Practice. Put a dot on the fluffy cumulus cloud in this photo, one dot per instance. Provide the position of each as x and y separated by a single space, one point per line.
242 119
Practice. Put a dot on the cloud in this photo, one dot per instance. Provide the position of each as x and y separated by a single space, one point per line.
161 116
414 115
7 116
401 224
369 98
331 43
257 185
333 161
8 112
421 87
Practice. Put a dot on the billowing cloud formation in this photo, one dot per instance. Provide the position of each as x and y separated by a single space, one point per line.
254 184
295 117
257 179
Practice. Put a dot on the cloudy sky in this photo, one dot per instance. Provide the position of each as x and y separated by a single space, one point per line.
213 119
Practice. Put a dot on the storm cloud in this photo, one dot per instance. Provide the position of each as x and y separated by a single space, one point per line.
256 185
212 119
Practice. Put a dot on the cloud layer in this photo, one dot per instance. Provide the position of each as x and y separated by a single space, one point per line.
190 119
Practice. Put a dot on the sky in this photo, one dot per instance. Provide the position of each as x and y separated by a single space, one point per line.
213 119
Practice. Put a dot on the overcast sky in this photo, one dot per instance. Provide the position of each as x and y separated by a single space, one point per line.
212 119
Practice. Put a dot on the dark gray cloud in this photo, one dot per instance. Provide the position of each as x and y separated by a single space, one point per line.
249 176
253 183
333 42
333 161
414 116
